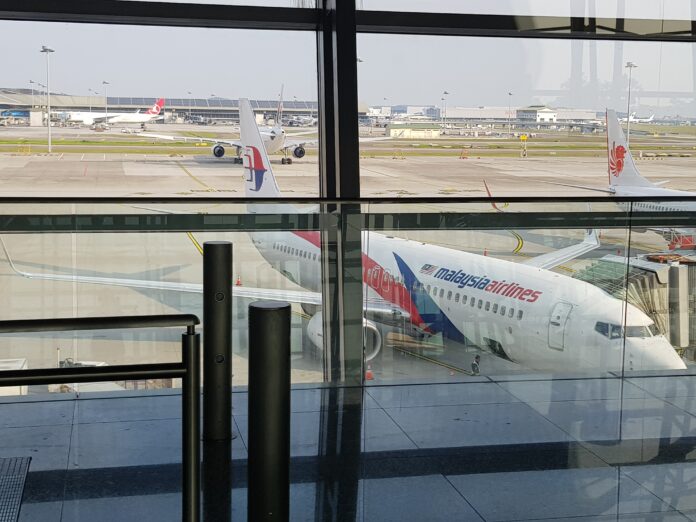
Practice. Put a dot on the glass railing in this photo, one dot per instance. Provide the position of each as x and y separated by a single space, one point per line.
480 343
572 288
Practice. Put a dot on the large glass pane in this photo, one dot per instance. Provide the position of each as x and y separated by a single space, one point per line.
528 116
151 110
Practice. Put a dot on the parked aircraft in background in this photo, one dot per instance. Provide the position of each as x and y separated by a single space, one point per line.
626 181
90 118
632 118
521 311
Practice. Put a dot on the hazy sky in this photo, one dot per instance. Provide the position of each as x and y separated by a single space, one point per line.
169 62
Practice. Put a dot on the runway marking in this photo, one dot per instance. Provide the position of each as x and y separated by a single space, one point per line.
82 158
434 361
194 178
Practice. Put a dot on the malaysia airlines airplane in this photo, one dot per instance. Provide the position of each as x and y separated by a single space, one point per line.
521 311
90 118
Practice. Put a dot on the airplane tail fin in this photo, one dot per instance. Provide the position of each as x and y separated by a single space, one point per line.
621 167
259 181
157 107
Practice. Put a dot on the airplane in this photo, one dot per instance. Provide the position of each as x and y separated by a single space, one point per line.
632 118
522 311
626 181
274 137
90 118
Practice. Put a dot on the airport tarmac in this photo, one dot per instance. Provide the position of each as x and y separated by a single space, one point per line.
133 175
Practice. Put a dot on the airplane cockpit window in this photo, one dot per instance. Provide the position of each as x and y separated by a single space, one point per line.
612 331
639 331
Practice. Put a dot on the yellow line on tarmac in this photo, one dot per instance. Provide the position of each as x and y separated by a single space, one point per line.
520 242
195 242
194 178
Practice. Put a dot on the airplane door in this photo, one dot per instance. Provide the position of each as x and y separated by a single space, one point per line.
557 323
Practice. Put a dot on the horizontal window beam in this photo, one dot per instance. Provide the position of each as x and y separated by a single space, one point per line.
161 13
369 221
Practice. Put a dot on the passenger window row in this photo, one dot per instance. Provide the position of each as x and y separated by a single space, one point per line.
489 307
294 251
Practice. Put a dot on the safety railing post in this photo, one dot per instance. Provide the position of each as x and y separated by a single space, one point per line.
217 340
269 411
191 429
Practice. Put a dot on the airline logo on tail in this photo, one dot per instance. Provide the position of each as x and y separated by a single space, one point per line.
157 107
254 163
616 159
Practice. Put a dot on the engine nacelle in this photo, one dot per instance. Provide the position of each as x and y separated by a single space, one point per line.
218 151
371 337
299 152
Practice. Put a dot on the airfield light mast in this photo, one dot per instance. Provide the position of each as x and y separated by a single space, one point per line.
106 101
630 66
48 51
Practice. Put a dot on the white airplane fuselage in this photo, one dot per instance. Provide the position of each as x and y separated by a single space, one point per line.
535 317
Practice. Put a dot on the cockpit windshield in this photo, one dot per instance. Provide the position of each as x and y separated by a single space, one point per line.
615 331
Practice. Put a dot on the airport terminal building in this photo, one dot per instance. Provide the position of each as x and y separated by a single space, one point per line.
476 310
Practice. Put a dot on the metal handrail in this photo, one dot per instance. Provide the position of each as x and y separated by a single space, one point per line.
188 370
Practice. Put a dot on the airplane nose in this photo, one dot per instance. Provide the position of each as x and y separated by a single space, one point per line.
655 353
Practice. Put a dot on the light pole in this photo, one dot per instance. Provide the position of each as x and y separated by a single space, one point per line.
32 82
190 94
106 101
91 92
444 106
630 66
509 113
48 51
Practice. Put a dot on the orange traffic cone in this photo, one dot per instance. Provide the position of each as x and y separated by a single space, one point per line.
238 282
368 373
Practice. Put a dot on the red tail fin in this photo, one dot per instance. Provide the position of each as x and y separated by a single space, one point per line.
157 107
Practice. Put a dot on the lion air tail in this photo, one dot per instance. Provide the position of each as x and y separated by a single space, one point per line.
621 167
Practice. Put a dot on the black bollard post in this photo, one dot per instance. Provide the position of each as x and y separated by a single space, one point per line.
269 411
217 340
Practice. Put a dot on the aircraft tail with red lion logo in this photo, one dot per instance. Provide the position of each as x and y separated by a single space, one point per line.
621 167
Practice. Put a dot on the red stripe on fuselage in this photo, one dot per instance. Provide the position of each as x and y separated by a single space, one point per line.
386 286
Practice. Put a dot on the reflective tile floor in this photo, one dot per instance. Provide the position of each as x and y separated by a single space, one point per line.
523 449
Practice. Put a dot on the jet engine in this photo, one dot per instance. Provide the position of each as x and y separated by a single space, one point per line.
371 337
299 152
218 151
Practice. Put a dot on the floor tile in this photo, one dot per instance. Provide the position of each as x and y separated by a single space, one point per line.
475 425
440 395
145 407
19 414
47 446
555 494
572 390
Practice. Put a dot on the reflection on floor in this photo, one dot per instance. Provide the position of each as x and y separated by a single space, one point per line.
593 449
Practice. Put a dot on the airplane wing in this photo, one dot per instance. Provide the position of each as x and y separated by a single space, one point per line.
194 139
586 187
293 296
558 257
291 144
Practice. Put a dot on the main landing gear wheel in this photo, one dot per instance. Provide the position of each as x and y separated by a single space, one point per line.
238 161
286 161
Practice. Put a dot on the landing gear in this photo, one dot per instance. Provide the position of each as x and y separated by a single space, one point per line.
286 161
238 161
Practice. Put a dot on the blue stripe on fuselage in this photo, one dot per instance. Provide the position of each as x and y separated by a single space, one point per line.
428 309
